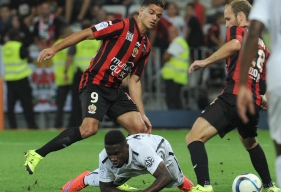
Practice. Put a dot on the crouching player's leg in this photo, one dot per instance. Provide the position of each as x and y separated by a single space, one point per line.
88 178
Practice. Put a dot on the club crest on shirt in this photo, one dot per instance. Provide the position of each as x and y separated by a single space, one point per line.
135 52
102 171
92 109
149 161
129 36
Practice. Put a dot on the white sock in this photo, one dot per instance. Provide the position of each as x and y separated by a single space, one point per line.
278 170
92 179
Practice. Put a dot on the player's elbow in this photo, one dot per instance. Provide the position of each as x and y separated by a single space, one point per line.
235 46
167 178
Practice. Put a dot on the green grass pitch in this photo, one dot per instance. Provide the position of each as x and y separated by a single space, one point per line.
227 159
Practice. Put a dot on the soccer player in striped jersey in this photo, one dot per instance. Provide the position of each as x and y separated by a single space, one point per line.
265 13
221 116
124 158
124 51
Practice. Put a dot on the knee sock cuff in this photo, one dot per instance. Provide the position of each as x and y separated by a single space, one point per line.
77 133
194 145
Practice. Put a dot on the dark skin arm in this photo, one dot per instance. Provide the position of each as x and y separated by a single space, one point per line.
163 178
249 49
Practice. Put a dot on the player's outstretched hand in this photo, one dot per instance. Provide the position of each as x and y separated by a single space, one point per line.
46 54
197 65
147 123
245 103
264 104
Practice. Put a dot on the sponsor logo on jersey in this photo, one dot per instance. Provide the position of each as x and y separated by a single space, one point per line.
92 109
120 69
101 26
129 36
149 161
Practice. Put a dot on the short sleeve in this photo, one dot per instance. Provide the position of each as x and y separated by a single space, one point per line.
149 159
235 32
105 175
108 29
261 11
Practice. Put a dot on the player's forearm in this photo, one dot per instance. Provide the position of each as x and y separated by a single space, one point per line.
225 51
160 183
249 50
135 90
72 40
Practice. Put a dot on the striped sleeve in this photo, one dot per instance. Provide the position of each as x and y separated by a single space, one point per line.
108 29
235 32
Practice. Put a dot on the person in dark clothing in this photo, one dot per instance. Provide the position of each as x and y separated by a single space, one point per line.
16 72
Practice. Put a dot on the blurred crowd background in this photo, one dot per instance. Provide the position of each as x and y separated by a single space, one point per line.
41 23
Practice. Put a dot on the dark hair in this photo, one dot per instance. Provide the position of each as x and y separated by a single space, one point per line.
219 14
191 5
86 23
5 5
114 137
146 3
14 34
63 28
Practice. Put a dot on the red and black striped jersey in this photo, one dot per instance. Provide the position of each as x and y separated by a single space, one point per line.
123 51
257 70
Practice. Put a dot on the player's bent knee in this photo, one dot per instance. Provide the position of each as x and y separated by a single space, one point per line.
88 130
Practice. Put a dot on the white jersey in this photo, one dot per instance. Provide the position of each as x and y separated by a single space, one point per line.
269 13
146 151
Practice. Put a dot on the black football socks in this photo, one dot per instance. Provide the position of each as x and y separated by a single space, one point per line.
64 139
260 164
199 161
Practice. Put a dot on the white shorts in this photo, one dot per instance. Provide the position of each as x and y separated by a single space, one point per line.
274 114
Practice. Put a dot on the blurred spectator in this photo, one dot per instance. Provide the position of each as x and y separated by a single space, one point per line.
63 84
2 2
25 9
175 70
94 12
56 7
193 32
126 3
5 21
102 16
77 10
158 36
200 12
173 16
46 30
25 34
214 38
79 56
16 73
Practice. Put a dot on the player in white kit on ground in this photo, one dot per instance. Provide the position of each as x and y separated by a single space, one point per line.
124 158
265 13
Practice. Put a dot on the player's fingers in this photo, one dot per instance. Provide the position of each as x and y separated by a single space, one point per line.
251 108
242 112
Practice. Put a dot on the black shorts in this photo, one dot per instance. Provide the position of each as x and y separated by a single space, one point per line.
97 101
222 114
